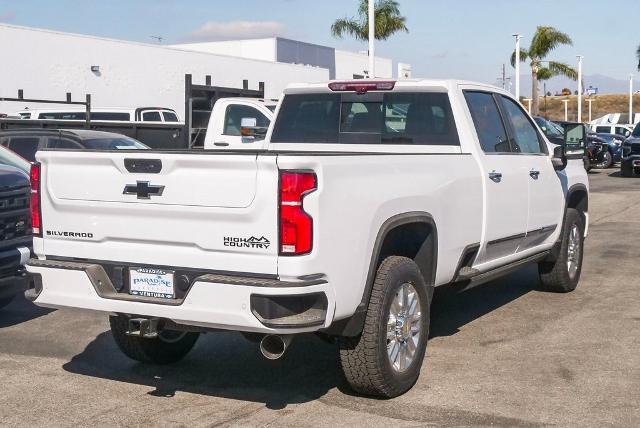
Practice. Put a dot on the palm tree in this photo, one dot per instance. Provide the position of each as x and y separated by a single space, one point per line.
638 55
545 40
387 21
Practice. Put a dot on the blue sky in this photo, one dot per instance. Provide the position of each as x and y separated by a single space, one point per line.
467 39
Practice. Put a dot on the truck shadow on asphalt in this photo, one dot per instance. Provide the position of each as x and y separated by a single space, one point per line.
21 310
227 365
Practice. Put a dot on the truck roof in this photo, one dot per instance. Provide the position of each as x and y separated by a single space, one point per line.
405 83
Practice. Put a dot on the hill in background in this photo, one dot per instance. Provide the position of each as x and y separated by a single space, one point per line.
601 105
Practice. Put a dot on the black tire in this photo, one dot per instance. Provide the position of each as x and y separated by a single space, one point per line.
587 163
556 276
4 302
606 162
169 347
626 169
364 359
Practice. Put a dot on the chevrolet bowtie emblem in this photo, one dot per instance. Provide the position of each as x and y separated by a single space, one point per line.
143 190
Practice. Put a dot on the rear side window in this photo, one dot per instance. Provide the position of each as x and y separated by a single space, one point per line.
525 136
603 129
25 147
63 116
62 143
124 117
169 116
421 118
488 123
151 116
234 115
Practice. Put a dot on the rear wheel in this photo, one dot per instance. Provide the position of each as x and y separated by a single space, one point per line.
385 360
626 169
168 347
563 274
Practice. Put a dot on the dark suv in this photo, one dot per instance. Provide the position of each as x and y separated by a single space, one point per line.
15 228
630 162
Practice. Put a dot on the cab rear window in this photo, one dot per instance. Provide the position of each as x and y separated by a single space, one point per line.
420 118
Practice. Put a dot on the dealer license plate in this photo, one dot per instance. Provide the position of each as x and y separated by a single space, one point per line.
149 282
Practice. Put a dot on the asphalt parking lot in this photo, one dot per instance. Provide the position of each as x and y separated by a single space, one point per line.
500 354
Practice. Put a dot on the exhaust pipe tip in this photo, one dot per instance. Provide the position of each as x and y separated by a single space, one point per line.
273 346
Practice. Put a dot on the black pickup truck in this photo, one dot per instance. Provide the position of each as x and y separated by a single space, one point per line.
15 225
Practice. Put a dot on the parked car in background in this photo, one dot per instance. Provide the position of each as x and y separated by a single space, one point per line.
26 142
15 226
630 162
613 144
623 131
599 155
142 114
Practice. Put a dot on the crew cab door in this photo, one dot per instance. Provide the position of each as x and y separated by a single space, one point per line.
223 132
506 193
545 204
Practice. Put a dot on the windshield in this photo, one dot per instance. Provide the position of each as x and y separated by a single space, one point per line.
636 131
118 143
7 157
421 118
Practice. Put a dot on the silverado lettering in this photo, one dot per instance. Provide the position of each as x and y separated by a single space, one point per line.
70 234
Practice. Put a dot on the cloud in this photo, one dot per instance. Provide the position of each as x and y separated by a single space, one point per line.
440 55
7 16
236 30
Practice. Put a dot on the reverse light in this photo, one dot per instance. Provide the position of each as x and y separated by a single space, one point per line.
362 86
36 211
296 226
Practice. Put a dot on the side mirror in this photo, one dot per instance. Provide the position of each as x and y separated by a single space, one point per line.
573 147
250 130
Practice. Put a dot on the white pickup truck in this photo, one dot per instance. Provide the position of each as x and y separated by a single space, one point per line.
361 199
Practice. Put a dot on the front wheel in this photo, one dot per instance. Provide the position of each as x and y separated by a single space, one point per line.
606 162
168 347
385 360
626 169
563 274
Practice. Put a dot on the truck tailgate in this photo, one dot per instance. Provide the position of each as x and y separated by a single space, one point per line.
198 210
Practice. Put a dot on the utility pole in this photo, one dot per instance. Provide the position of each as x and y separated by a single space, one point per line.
566 112
631 98
579 88
372 36
544 85
589 100
518 37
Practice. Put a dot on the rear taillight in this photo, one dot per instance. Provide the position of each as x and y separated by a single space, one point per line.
36 212
296 226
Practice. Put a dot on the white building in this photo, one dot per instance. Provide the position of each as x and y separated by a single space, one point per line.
48 64
341 64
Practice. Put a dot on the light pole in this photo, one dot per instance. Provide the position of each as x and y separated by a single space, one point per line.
372 36
579 87
518 37
528 100
566 113
631 98
589 100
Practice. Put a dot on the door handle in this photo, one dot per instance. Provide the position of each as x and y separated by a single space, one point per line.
534 174
220 144
495 176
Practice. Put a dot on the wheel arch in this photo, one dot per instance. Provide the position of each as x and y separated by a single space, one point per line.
413 235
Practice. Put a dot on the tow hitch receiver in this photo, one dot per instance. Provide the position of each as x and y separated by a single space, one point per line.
142 327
